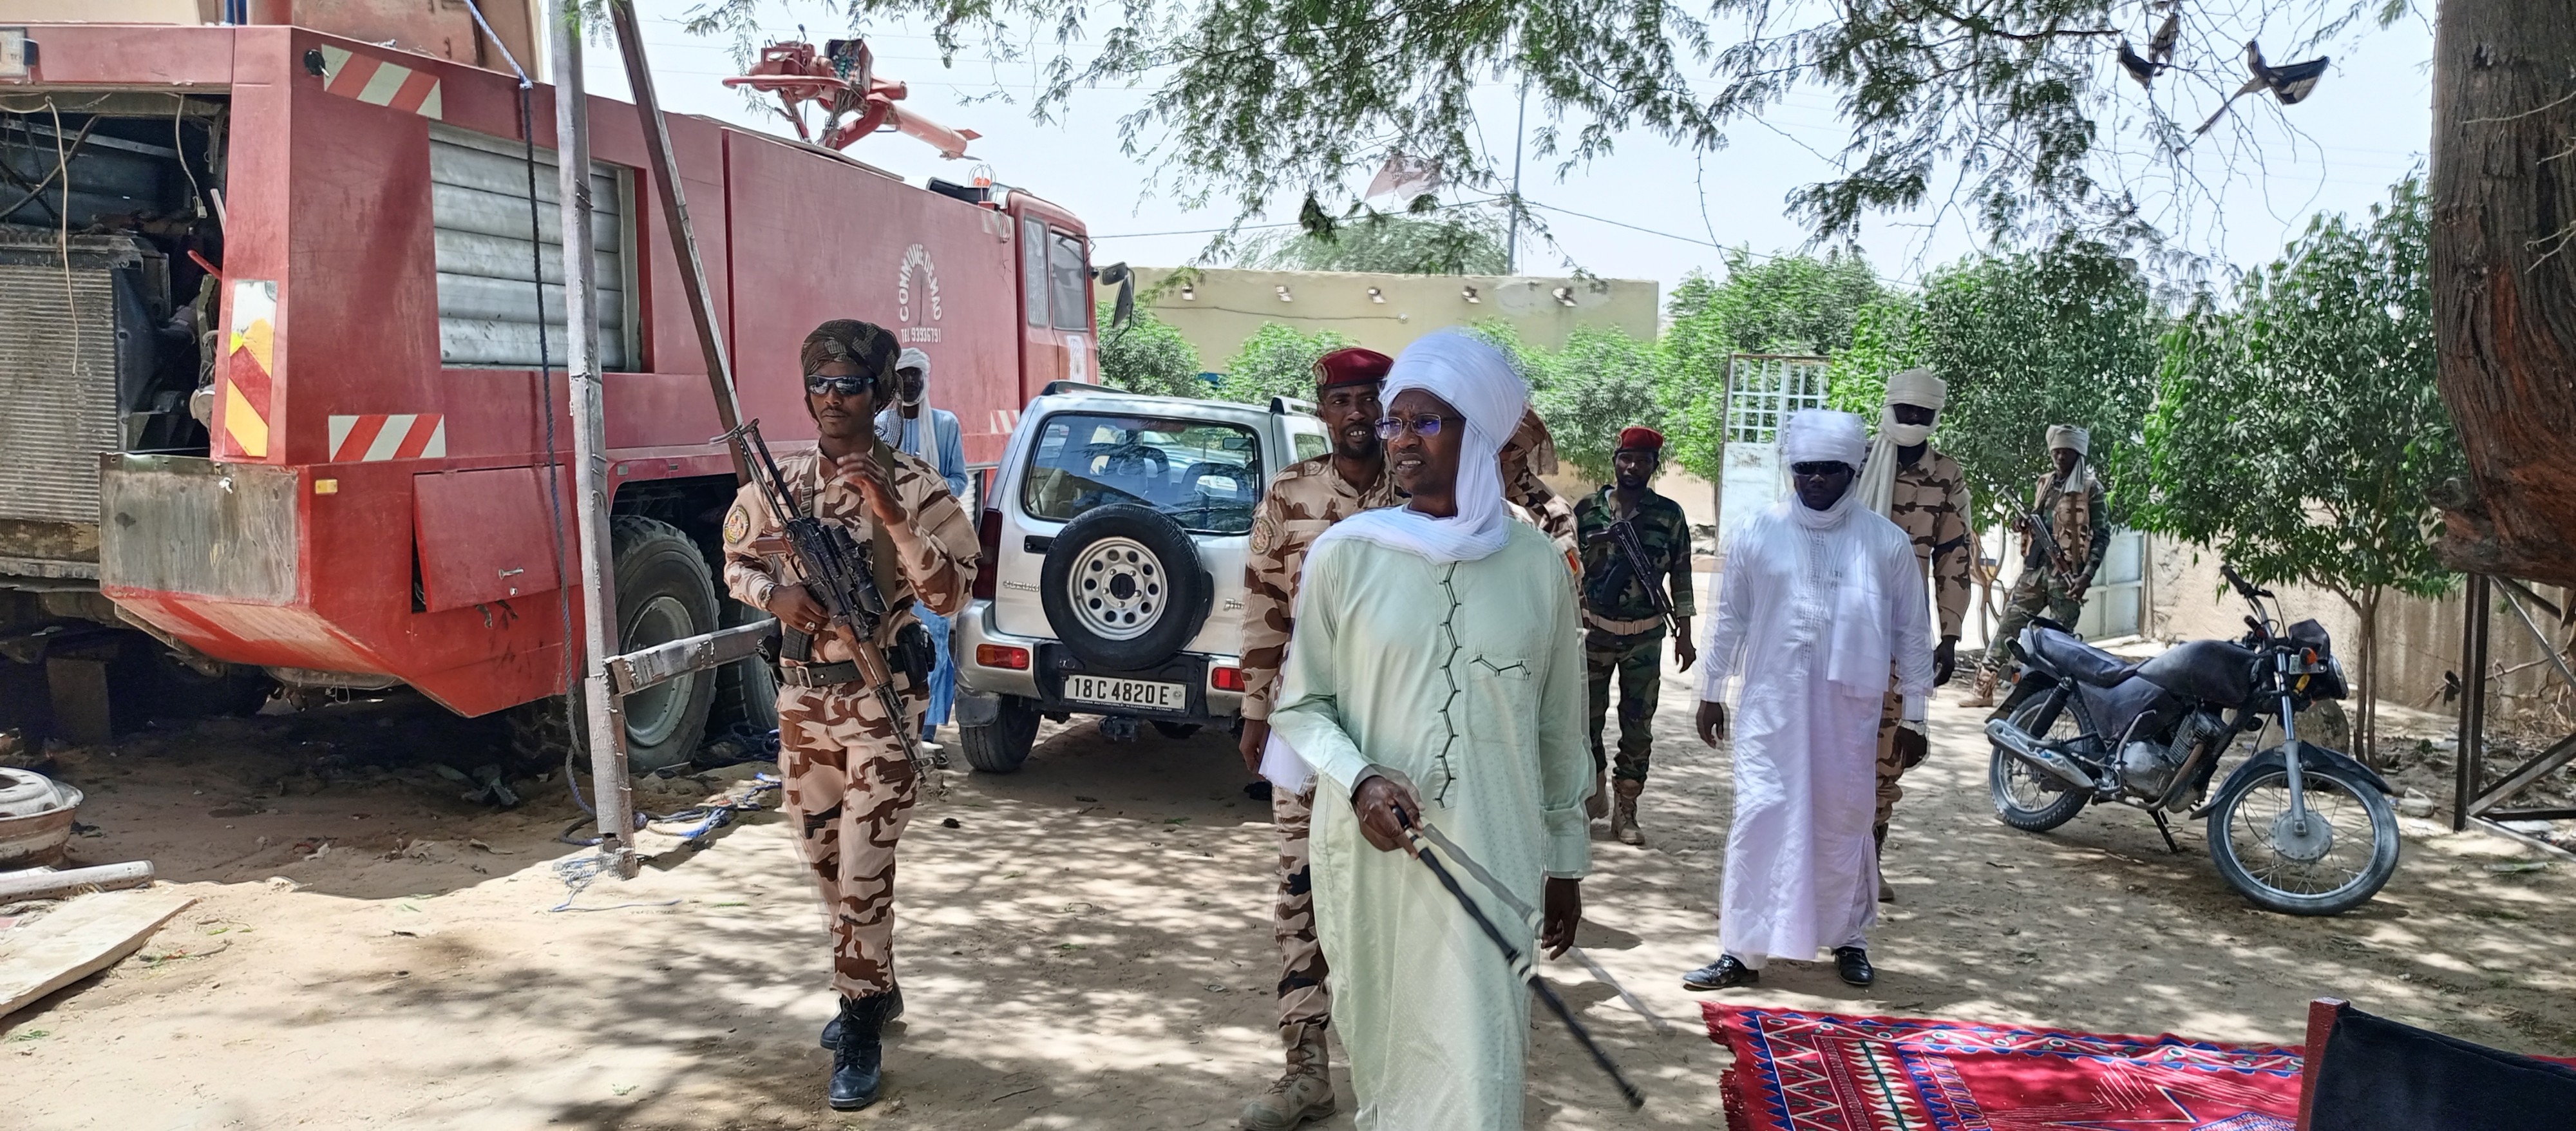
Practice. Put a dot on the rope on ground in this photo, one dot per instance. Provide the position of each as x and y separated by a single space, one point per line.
577 872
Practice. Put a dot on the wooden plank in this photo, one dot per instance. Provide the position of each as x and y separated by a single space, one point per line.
79 939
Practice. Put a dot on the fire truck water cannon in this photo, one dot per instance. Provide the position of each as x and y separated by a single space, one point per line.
841 79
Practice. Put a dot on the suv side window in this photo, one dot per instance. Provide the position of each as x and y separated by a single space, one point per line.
1309 445
1205 475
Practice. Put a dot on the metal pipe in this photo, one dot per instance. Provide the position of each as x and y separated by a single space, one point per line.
604 713
2466 768
675 217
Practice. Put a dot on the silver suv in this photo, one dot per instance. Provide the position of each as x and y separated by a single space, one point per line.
1114 536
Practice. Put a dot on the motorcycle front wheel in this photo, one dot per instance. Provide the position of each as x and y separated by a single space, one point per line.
2336 862
2026 798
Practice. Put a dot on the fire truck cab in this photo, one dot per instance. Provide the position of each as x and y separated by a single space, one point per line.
284 380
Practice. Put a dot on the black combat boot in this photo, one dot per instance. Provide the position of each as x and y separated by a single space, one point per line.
858 1064
894 1013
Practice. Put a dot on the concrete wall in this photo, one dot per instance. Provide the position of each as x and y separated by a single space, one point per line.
1225 306
2418 640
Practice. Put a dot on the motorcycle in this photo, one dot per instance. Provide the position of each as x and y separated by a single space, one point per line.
2298 828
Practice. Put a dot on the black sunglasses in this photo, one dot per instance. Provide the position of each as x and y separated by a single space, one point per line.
845 386
1819 467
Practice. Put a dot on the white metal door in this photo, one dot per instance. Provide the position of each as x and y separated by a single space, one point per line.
1761 391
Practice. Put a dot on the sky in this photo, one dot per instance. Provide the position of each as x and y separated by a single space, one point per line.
1651 209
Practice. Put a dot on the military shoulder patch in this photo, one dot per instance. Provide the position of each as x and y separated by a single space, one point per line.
737 523
1264 532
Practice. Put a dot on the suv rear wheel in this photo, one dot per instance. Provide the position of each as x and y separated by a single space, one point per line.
1000 746
1123 587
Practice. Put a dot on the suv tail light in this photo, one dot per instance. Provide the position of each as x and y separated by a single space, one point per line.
1226 679
1002 656
988 545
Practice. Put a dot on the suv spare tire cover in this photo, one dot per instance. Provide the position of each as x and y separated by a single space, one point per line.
1123 587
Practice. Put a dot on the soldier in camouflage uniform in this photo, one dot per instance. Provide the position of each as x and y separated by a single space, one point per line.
1306 498
849 787
1623 628
1924 492
2068 501
1529 454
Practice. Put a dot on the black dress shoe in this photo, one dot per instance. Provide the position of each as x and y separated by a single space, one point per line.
858 1060
1853 964
1725 973
832 1028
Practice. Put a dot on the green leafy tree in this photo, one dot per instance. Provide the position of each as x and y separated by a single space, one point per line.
1277 361
1882 343
1601 382
2299 434
1782 304
1463 241
2063 335
1149 355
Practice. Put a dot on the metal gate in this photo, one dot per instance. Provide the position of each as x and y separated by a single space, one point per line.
1762 389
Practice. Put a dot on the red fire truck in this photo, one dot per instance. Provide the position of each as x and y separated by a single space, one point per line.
272 349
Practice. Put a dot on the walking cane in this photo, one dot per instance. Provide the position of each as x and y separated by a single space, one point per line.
1520 964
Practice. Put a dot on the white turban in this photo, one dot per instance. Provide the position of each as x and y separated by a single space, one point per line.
1821 435
2069 436
1916 387
1482 384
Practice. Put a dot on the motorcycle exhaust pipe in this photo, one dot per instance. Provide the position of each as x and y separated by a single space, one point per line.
2050 762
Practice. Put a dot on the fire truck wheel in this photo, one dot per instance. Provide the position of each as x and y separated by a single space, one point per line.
664 593
746 690
1124 588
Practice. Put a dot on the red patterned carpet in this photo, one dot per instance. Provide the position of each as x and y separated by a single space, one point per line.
1799 1071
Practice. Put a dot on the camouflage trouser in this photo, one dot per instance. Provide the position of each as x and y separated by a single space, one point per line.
1889 766
2038 589
1639 663
1304 998
850 792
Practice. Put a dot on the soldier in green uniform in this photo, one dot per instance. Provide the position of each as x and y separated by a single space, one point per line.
2057 569
1634 544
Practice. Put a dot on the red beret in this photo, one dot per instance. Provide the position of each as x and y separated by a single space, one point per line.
1352 366
1641 438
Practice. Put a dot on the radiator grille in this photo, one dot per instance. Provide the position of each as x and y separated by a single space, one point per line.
58 408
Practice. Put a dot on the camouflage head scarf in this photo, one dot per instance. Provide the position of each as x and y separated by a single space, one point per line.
864 344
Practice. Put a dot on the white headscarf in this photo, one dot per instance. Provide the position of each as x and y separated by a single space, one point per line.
910 435
1477 380
2072 436
1822 435
1916 387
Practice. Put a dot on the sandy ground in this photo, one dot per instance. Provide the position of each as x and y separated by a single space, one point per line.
1088 947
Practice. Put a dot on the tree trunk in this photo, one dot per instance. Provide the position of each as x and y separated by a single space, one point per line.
2504 280
2365 729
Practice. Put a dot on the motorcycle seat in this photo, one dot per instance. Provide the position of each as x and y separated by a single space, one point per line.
2080 661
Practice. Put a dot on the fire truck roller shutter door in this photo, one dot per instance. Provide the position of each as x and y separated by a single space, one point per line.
487 297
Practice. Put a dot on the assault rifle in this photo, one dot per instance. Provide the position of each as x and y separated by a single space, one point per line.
1630 562
2053 553
838 570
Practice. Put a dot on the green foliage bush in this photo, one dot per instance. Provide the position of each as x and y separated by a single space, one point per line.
1148 355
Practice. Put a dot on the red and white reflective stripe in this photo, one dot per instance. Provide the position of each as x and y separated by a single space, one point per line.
377 82
400 435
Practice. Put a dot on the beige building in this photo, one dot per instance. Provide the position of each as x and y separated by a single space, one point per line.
1217 308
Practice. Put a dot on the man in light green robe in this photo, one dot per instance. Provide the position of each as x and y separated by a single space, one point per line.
1437 665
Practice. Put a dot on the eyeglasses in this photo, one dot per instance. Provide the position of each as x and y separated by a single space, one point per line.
1824 467
845 386
1390 427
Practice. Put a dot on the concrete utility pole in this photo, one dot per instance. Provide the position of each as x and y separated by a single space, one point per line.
604 721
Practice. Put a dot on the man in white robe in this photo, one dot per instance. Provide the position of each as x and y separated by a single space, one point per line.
1437 676
1826 594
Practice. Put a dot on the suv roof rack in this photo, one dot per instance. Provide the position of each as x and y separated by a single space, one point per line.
1055 387
1280 405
